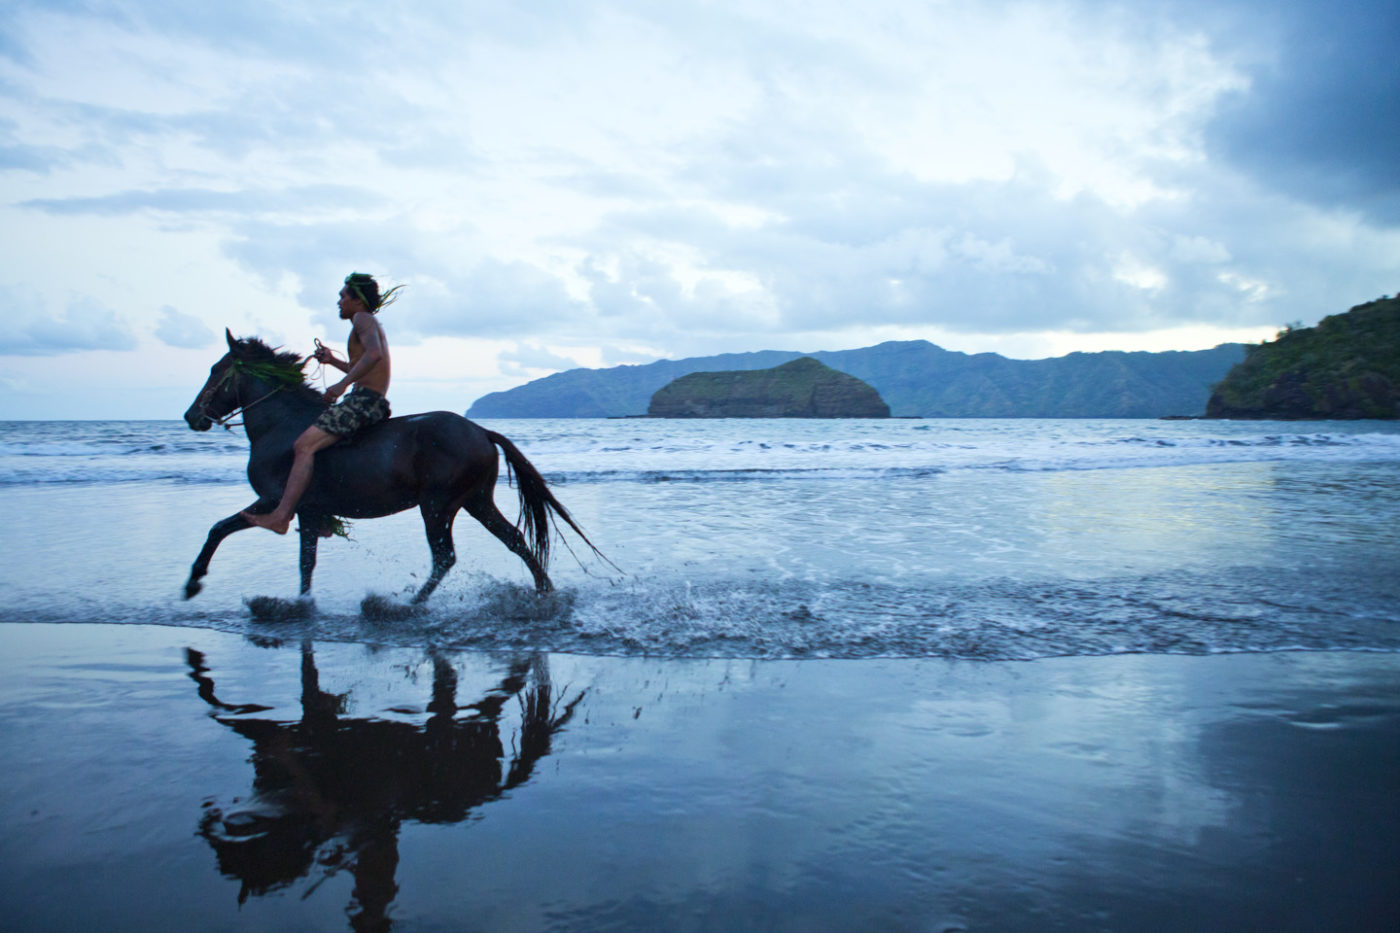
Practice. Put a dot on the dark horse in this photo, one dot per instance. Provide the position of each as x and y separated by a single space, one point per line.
438 461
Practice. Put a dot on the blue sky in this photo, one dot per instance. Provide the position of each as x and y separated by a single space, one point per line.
589 184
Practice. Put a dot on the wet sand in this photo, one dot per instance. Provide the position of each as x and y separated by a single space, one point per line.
169 778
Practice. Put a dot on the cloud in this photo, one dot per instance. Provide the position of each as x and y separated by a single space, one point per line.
85 325
618 356
527 361
985 257
17 154
494 299
1320 117
300 199
29 158
446 295
185 331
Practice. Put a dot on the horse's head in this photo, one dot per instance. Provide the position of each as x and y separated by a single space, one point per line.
249 372
219 395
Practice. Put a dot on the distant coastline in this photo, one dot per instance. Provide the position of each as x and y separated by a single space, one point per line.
916 379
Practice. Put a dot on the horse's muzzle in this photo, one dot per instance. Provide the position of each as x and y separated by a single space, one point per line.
197 419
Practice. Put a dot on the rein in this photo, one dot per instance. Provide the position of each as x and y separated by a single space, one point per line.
226 421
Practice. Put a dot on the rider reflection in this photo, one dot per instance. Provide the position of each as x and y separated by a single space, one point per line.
330 791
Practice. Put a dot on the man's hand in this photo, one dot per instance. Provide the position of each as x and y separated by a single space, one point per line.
324 354
335 390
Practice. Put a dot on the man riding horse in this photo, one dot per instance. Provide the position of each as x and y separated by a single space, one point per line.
367 370
437 461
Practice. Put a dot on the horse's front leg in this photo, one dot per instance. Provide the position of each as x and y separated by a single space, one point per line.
220 531
310 532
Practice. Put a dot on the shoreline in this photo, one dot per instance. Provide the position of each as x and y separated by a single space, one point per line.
167 777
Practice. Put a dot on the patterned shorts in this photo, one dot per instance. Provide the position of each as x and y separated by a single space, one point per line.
358 410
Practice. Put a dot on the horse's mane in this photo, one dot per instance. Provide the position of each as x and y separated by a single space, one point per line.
284 367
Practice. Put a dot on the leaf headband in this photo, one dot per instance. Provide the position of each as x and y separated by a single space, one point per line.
355 280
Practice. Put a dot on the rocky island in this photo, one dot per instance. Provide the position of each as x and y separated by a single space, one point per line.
803 388
1346 367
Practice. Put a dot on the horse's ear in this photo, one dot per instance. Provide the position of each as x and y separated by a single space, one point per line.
232 343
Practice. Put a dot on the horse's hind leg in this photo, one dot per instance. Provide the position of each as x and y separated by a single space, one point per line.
437 524
483 509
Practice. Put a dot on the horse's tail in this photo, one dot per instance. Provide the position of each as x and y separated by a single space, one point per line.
536 502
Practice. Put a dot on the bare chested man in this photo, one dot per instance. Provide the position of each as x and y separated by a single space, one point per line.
367 370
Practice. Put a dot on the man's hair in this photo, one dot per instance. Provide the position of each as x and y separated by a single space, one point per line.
364 287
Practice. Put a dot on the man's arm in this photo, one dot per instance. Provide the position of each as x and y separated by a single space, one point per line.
363 324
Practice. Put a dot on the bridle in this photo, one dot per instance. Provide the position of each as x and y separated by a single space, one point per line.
226 420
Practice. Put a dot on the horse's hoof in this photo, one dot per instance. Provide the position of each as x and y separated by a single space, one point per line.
193 588
272 609
382 609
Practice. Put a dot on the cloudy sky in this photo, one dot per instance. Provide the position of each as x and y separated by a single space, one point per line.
595 183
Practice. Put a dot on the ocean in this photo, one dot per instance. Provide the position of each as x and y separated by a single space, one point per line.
769 539
845 675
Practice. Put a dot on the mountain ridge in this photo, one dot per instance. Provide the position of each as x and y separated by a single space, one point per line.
916 378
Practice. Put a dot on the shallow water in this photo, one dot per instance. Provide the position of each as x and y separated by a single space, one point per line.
159 778
774 539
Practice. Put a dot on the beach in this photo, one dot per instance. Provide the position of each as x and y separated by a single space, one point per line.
686 467
914 676
173 778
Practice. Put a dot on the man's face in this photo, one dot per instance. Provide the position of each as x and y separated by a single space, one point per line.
350 305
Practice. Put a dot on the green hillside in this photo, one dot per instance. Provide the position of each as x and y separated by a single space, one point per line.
1346 367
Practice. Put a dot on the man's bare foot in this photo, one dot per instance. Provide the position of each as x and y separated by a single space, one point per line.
271 522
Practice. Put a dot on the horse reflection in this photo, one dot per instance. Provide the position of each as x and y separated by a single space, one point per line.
330 792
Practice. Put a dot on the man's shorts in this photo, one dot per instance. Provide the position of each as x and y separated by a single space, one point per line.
358 410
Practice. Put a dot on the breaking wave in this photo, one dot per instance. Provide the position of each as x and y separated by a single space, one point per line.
602 451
